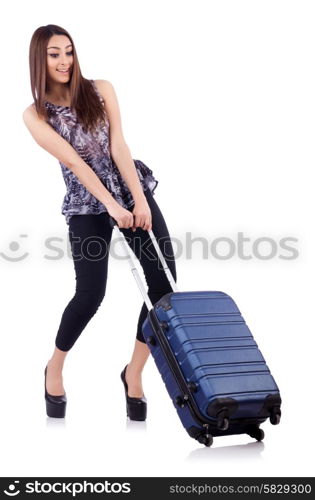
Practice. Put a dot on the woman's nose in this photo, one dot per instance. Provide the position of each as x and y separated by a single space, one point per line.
63 59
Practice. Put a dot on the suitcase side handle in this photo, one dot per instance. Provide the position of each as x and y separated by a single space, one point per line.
132 261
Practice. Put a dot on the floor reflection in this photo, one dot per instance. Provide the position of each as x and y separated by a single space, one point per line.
236 452
134 426
57 423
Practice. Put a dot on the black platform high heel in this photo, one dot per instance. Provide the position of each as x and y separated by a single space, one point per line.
136 407
55 405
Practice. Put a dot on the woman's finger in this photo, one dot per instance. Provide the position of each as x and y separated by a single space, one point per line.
147 224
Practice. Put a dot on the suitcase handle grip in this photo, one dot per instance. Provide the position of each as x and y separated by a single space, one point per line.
112 221
132 262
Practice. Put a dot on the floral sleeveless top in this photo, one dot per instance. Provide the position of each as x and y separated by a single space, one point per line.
93 147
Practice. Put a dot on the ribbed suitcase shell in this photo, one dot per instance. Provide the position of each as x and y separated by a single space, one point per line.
200 340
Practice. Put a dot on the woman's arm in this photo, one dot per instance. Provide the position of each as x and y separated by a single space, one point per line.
57 146
119 150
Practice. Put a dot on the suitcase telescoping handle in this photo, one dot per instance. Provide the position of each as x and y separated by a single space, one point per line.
132 263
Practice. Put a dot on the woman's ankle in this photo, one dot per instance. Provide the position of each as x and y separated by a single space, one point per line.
55 367
134 371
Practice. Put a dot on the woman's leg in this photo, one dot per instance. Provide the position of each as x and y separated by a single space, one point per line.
90 237
158 284
54 382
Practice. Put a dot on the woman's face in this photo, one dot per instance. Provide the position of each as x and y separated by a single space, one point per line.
59 58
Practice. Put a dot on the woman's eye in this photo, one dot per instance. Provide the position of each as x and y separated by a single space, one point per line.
56 55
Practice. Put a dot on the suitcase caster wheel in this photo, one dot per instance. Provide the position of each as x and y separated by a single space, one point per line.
223 423
257 434
260 435
274 418
206 439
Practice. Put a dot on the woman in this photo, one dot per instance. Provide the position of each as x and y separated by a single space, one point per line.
78 121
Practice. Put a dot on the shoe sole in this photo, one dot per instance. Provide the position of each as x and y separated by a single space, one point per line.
56 410
135 416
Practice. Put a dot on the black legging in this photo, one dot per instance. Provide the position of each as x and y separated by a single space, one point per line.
90 237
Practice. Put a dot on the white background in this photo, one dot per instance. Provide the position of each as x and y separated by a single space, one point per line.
217 98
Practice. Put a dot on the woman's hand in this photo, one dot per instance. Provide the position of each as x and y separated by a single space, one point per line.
123 217
142 215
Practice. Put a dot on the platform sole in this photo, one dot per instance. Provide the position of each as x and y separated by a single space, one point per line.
56 410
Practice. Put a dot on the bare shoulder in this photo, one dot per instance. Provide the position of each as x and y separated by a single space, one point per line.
30 114
29 111
104 87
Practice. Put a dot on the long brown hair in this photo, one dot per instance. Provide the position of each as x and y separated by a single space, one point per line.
83 97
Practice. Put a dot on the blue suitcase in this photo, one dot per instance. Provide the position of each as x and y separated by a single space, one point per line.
212 368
